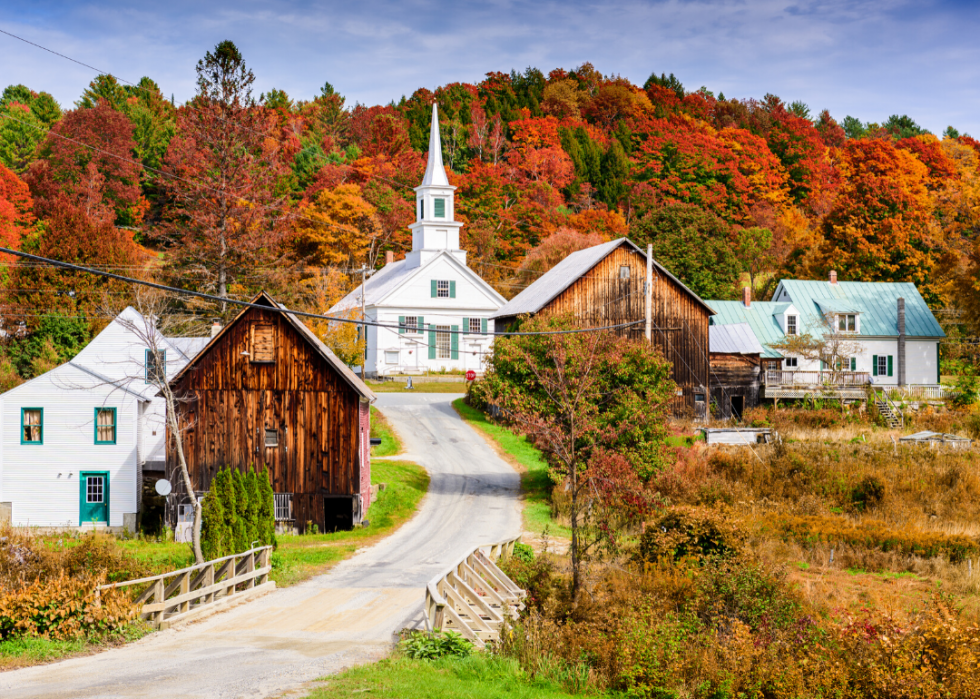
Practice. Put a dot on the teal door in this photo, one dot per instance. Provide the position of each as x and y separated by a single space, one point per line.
93 498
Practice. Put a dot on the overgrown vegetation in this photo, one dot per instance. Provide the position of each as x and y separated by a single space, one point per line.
381 429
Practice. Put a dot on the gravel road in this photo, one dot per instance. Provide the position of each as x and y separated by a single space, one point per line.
277 643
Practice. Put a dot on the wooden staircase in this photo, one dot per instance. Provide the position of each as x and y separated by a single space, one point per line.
889 411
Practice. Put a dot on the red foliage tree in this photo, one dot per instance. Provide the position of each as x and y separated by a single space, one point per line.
16 210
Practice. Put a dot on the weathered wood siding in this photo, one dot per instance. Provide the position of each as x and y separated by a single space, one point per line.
227 401
734 375
680 322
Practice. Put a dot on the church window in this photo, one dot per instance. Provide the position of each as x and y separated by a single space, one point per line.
410 324
444 342
439 207
421 209
475 325
442 289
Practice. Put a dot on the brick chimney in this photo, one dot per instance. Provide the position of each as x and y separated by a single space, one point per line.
389 257
215 328
833 276
747 296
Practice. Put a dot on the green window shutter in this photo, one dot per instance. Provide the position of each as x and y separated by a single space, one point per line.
454 343
401 324
889 365
483 325
432 342
854 363
435 288
466 326
452 289
874 365
421 324
439 208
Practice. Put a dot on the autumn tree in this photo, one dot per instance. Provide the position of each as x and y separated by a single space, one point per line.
20 135
16 211
323 288
553 249
597 405
226 222
337 228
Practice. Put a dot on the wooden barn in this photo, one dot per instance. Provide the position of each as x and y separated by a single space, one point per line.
604 285
737 370
266 391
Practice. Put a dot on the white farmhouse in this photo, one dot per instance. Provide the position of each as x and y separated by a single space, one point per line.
438 308
77 440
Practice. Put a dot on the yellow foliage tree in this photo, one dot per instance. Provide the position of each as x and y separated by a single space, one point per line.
324 289
336 228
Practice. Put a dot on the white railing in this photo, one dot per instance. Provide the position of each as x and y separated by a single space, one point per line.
177 595
284 507
474 597
934 392
776 377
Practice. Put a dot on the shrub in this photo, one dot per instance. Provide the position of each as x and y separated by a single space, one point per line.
684 532
238 510
753 593
215 535
63 608
423 646
523 552
869 492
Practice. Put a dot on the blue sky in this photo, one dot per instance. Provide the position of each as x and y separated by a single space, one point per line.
866 59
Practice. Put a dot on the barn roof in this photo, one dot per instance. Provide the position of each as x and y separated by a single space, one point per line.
264 299
760 316
567 272
876 302
736 338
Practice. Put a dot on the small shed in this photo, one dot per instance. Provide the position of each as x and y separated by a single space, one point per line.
739 436
934 439
737 372
265 391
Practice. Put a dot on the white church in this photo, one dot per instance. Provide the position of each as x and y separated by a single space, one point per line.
438 308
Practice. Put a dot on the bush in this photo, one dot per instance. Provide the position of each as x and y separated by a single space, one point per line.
63 608
753 593
693 532
423 646
523 552
869 492
238 510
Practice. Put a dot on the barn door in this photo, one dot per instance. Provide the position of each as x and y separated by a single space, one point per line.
93 498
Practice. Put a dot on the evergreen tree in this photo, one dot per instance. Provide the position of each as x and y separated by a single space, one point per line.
612 185
266 509
252 508
214 521
239 527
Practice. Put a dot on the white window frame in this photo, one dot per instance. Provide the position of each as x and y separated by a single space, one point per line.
444 342
442 289
791 325
849 321
476 325
412 325
882 365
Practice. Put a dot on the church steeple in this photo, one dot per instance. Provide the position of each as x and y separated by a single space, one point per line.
435 228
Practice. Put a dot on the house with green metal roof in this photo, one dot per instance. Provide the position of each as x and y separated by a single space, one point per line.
893 335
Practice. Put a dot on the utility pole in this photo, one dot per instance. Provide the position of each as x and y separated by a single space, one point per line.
649 294
363 271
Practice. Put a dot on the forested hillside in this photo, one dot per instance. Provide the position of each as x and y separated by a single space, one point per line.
233 192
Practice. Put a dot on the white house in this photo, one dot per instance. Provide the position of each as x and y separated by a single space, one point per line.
437 308
77 440
895 336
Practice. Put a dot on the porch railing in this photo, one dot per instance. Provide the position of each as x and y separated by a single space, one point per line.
933 392
776 377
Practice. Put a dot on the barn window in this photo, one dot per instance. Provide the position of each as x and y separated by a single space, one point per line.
105 425
271 437
624 272
263 344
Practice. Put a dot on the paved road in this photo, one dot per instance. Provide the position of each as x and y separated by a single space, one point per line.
291 636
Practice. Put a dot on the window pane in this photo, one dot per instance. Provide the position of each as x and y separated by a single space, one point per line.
475 325
443 342
851 323
624 272
106 425
94 489
411 324
442 289
32 425
272 438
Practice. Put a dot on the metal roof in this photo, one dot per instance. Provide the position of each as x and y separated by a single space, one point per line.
875 301
568 271
736 338
760 316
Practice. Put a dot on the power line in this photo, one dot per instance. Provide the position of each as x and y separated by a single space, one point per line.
279 309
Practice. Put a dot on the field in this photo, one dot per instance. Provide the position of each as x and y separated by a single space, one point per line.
420 385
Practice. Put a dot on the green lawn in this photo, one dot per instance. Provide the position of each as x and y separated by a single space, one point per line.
420 386
535 481
25 650
381 428
479 676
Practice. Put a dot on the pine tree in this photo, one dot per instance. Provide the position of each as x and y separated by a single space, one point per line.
239 527
214 525
252 532
266 509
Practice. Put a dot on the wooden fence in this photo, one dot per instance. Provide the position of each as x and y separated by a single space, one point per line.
188 592
474 597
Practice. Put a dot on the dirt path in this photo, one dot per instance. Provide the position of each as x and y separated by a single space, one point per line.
349 616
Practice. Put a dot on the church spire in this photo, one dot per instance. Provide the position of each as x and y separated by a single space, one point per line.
435 171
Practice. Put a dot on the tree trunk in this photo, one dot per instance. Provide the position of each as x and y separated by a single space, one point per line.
181 458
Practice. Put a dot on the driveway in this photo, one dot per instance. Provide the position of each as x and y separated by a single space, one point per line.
344 618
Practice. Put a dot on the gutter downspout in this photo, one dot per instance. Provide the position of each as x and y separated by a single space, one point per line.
901 342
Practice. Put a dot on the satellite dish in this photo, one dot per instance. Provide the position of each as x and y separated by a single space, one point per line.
163 487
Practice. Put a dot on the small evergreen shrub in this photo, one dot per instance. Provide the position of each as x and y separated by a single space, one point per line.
237 511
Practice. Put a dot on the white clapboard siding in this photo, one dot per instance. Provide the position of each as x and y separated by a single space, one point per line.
41 481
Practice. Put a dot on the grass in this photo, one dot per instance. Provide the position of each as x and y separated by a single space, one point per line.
299 558
420 386
477 677
24 651
381 428
535 481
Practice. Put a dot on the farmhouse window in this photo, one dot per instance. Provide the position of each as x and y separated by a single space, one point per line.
105 425
846 323
263 345
155 366
32 426
790 325
792 362
624 272
444 342
271 437
439 207
881 365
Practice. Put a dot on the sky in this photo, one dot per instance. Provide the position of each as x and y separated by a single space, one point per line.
854 57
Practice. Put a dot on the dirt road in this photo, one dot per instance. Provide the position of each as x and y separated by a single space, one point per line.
291 636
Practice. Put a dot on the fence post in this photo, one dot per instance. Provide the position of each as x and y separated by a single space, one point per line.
250 568
208 582
158 591
185 587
